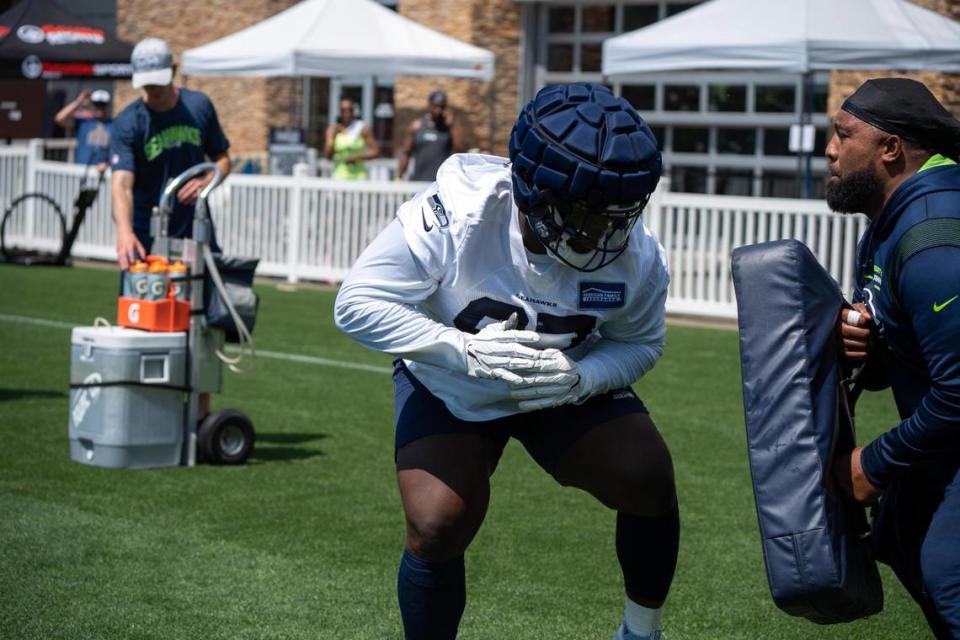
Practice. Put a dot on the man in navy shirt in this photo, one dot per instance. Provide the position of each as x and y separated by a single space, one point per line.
893 157
154 139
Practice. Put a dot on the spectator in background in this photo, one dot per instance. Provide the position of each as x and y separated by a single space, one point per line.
430 140
87 116
349 142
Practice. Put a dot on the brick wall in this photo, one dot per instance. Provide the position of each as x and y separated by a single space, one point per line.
485 110
945 86
247 107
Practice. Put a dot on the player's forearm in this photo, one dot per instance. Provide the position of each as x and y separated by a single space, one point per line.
400 330
122 201
64 117
928 436
612 365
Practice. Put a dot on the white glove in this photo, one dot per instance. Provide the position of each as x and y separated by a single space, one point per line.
559 380
500 352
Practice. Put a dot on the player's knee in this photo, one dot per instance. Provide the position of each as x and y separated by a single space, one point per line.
648 490
440 531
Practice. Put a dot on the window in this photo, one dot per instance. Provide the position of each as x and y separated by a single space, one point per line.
681 97
643 97
820 142
736 140
660 134
691 139
725 97
776 142
673 8
637 16
598 19
688 179
776 184
734 182
560 20
775 99
820 94
560 57
590 57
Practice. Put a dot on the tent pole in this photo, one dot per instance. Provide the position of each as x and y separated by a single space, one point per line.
806 119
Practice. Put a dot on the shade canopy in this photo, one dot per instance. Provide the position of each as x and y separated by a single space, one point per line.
331 38
794 36
39 40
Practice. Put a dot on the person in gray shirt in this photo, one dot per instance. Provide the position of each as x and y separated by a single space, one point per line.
430 140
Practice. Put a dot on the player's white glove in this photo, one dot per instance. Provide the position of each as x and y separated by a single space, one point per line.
501 352
559 380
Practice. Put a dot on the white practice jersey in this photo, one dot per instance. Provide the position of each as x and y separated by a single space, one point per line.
453 261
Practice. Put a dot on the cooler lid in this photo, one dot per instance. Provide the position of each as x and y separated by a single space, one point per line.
124 338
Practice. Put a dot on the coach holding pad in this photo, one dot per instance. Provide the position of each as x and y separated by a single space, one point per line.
155 139
893 157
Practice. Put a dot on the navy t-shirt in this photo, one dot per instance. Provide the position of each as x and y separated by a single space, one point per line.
158 146
93 140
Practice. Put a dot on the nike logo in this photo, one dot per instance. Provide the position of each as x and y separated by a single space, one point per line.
937 308
423 216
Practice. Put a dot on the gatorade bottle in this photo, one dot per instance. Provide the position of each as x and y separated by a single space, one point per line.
136 281
157 280
178 281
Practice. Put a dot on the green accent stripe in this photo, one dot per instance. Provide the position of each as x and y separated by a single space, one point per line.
935 232
936 160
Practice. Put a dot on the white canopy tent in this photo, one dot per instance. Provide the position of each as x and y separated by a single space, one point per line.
330 38
790 36
795 36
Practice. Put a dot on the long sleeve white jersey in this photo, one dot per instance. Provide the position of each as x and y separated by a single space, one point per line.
453 261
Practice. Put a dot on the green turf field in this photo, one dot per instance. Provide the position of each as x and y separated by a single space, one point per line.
303 542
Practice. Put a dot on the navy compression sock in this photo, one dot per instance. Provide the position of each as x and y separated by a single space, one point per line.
647 550
432 596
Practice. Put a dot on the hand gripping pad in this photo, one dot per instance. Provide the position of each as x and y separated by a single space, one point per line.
819 562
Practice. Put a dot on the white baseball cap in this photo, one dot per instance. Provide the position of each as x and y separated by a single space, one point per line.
152 63
100 97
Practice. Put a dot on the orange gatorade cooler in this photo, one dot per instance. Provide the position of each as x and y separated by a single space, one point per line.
179 283
157 280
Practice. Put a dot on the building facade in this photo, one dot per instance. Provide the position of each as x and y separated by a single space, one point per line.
720 132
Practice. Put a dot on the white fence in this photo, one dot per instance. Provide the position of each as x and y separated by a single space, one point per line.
315 228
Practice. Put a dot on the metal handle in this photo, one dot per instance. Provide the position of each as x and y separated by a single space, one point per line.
174 185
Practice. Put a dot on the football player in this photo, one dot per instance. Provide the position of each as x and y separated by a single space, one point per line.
522 299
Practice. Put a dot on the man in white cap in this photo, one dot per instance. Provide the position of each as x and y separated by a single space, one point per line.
155 138
87 116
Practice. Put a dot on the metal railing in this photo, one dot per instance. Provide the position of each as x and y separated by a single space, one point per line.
312 228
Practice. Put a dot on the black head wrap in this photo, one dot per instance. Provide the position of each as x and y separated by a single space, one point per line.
907 109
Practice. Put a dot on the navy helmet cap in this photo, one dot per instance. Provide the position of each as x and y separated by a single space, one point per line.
906 108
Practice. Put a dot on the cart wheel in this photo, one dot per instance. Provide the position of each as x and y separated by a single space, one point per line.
225 437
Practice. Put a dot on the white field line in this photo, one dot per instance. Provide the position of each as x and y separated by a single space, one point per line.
273 355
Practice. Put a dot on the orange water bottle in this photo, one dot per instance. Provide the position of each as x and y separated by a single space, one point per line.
157 280
179 281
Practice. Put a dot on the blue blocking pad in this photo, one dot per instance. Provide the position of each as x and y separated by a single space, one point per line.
816 544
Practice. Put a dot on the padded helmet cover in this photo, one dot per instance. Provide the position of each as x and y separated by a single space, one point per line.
581 142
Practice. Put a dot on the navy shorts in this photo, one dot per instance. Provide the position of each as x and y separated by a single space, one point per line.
546 434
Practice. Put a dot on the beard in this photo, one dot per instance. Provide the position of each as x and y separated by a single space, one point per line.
856 193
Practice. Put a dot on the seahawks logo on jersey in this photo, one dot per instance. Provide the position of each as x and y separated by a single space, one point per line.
439 212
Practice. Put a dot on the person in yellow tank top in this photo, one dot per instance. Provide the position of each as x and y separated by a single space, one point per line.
349 142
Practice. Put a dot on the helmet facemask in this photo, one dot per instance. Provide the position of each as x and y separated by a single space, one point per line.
580 236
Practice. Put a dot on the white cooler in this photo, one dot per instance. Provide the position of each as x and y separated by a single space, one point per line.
127 397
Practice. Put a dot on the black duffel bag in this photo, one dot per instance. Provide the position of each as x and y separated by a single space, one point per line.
237 276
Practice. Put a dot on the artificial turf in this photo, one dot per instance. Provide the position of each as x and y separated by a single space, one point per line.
303 541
